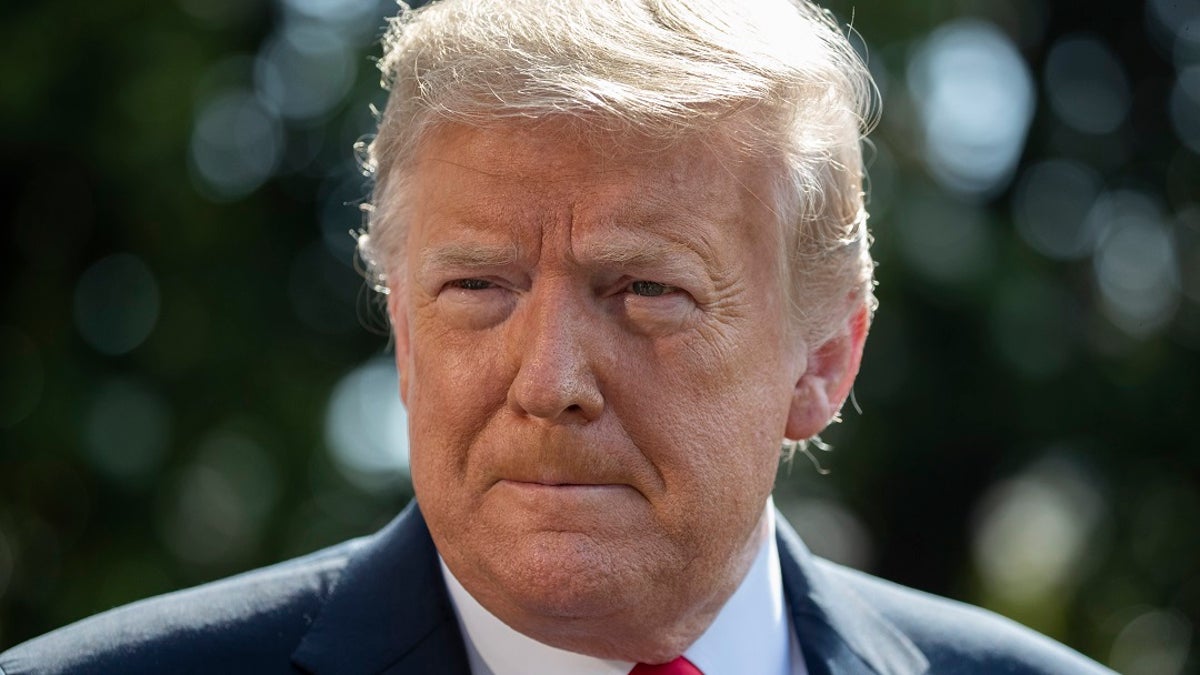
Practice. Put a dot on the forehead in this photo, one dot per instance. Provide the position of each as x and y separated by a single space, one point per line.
550 174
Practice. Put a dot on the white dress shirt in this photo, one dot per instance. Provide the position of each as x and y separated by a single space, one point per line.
751 634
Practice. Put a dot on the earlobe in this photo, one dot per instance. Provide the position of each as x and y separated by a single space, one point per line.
397 308
827 379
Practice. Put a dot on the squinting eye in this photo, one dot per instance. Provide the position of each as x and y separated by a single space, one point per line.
649 289
471 284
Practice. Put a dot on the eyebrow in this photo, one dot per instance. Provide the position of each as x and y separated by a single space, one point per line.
640 256
467 254
623 254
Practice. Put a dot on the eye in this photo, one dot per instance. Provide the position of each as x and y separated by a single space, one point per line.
471 284
472 303
649 289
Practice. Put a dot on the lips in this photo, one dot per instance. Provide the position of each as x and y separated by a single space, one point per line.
561 481
553 492
560 458
561 485
562 502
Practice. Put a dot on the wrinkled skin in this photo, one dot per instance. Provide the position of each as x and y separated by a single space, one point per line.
599 371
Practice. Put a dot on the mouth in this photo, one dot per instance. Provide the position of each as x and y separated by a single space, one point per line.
557 484
557 489
567 505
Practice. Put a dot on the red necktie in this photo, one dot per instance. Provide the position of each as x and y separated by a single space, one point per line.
679 666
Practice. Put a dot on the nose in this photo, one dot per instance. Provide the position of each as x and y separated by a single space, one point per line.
553 344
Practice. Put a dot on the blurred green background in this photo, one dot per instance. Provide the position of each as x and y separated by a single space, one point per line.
194 381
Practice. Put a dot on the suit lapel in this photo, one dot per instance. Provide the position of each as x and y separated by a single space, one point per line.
388 612
838 631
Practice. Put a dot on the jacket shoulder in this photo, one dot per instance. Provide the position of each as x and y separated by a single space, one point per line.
957 637
246 623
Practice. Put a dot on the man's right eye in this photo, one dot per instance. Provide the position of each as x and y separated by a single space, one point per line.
471 284
650 289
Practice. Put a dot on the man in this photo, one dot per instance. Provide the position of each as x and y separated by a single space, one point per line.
625 257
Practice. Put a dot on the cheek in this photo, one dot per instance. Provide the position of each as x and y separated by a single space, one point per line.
452 367
699 420
453 391
739 396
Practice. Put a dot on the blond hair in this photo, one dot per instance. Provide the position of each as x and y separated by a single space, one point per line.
774 77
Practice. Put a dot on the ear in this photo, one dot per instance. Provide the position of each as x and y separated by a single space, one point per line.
397 309
828 376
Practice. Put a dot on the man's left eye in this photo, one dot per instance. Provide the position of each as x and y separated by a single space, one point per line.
471 284
650 289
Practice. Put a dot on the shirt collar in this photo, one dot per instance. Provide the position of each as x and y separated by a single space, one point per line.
751 634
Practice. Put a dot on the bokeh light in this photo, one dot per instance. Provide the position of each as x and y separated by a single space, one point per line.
127 430
220 501
830 530
1086 85
1175 19
116 304
236 145
304 71
944 238
1155 642
366 427
1135 264
357 20
1032 538
975 97
1187 44
1051 204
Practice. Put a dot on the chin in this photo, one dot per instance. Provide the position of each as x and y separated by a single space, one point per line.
569 575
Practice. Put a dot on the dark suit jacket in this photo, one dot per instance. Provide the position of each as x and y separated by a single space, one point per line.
378 605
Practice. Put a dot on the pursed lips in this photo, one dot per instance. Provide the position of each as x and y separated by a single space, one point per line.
559 484
561 463
533 471
574 489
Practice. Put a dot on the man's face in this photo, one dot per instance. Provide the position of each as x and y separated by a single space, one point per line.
594 354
